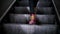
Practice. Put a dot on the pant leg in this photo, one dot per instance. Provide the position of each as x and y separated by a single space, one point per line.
31 4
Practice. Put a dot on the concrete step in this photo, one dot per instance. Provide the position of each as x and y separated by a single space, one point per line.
29 29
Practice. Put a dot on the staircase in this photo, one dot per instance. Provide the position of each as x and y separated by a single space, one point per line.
16 20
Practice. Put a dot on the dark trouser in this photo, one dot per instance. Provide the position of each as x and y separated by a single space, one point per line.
32 4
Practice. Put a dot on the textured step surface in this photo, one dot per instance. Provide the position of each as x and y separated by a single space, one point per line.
29 29
23 3
22 10
46 19
43 4
19 18
23 18
40 10
45 10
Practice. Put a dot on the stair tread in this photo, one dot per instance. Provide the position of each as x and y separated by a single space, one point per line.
24 18
44 4
30 29
22 10
40 10
45 10
23 3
